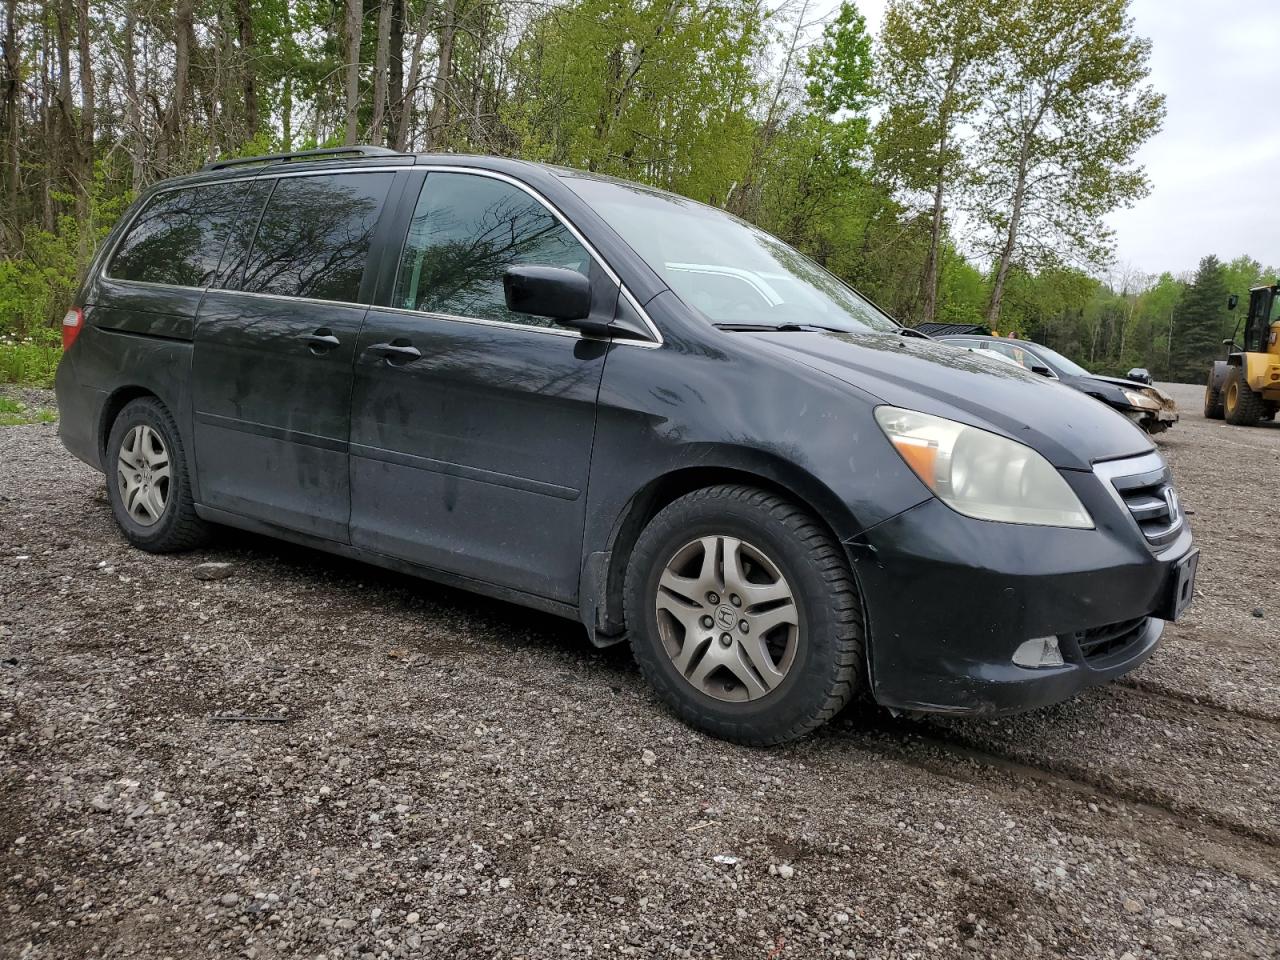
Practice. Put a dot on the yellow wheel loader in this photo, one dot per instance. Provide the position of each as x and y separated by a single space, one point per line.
1245 387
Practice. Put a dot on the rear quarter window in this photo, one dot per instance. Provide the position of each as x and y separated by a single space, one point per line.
178 236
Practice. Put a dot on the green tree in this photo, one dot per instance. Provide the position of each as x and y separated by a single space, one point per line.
929 54
1066 108
1198 320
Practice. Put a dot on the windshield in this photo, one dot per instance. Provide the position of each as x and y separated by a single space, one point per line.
1061 365
730 271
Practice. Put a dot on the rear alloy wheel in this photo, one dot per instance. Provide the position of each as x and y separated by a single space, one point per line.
1240 405
743 614
147 481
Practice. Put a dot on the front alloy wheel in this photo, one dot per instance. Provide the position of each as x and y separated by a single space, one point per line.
728 618
743 614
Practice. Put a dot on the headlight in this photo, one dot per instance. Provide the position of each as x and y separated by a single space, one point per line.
980 474
1140 400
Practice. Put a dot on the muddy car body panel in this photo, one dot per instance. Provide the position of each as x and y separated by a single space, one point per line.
523 460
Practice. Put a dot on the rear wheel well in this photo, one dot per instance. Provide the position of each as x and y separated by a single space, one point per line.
111 409
659 494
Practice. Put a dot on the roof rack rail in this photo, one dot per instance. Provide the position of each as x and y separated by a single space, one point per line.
335 153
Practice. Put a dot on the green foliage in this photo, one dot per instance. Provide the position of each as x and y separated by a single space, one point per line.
1018 118
15 413
28 362
1198 321
839 68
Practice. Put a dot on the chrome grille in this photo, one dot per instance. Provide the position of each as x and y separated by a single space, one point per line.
1145 487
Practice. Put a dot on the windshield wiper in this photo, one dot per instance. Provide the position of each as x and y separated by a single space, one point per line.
776 327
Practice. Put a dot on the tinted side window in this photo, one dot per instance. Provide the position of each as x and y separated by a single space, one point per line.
313 240
466 230
178 236
240 236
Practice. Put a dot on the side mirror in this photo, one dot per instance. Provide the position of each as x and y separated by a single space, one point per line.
555 292
1043 371
1232 301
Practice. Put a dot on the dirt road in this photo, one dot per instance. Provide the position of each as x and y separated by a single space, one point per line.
423 773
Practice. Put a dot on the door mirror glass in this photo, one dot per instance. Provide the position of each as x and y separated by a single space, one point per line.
554 292
1232 301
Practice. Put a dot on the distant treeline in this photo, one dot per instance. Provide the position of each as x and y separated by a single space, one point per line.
1016 118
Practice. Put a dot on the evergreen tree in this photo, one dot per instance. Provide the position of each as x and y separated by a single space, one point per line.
1197 323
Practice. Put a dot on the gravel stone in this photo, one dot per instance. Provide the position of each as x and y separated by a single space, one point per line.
496 753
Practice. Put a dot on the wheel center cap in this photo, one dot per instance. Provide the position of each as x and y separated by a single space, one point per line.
726 616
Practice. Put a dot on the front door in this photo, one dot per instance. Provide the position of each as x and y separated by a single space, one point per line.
271 371
472 426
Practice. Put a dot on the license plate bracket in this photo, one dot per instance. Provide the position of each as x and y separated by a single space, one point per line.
1181 589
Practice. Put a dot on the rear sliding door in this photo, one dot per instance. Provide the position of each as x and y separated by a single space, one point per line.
271 374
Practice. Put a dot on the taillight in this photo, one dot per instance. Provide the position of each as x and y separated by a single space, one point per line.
72 324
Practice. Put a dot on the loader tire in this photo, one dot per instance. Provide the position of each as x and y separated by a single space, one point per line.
1241 406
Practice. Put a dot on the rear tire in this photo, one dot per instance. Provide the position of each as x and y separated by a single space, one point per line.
1241 406
1212 399
147 481
739 564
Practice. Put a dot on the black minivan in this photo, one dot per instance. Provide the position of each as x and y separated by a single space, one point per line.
619 405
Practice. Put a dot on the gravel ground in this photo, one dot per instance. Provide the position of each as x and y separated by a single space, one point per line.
312 758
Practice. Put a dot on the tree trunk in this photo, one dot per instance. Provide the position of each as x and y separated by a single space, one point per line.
380 58
286 88
1006 251
411 84
248 67
12 65
69 137
173 121
355 17
395 70
133 106
438 118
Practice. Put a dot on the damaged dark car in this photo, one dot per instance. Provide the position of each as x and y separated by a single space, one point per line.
626 408
1149 407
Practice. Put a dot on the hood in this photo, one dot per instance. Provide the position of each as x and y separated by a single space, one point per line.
1071 430
1133 385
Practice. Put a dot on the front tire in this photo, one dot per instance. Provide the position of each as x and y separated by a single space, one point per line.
1241 406
147 481
744 615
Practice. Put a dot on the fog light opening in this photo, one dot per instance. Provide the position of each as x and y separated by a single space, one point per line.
1039 652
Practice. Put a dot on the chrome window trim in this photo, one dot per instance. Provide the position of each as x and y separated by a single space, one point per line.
286 296
510 325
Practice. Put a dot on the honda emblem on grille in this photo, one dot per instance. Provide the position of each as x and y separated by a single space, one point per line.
1171 500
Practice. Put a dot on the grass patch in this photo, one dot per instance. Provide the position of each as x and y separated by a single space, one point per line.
13 413
28 363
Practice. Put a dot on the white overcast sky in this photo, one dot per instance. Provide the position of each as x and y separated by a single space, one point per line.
1215 166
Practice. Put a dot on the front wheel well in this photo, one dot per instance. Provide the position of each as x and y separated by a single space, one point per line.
653 498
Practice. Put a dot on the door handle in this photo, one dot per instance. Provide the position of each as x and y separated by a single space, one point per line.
396 352
321 341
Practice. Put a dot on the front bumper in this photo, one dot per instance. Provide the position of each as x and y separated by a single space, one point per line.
949 599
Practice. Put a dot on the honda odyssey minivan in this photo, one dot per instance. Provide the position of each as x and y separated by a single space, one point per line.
612 403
